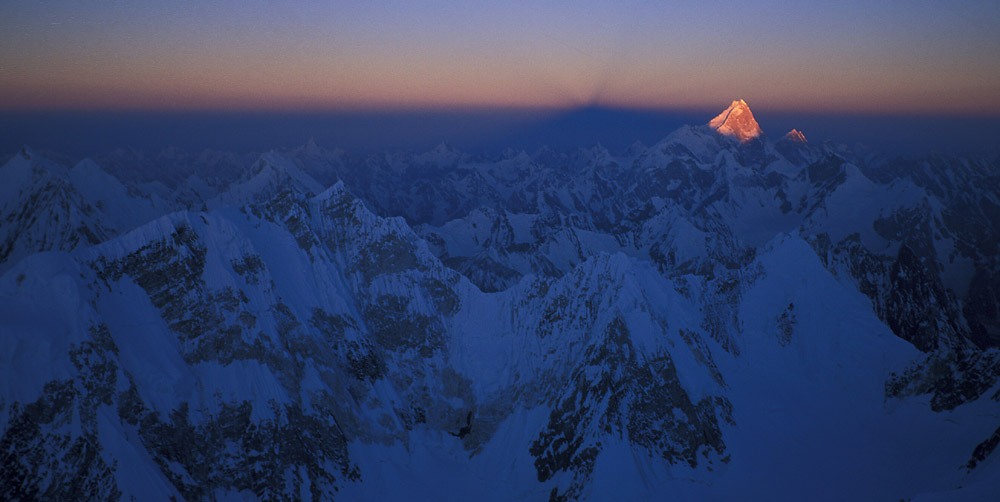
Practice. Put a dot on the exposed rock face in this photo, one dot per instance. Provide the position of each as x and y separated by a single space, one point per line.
984 450
642 400
737 121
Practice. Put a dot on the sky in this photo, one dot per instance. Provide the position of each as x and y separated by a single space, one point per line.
886 57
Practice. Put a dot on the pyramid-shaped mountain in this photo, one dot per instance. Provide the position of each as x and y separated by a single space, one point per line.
737 121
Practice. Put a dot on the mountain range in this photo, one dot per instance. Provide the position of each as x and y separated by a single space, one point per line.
715 316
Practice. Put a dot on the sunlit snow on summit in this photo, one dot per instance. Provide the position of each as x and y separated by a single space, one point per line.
737 121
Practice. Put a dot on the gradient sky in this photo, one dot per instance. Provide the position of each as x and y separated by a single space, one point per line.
915 56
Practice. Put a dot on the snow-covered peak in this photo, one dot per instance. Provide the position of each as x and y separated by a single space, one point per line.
795 136
687 141
311 148
737 121
442 155
121 208
270 174
334 193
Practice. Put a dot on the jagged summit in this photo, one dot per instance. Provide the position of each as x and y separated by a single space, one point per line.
444 154
796 136
737 121
311 148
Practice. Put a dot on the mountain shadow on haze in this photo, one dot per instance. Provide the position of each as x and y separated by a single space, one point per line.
477 131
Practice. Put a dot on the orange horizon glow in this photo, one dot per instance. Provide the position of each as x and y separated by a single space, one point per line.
429 54
294 85
129 99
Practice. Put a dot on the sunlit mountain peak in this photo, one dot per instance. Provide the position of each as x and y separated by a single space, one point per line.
796 136
737 121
